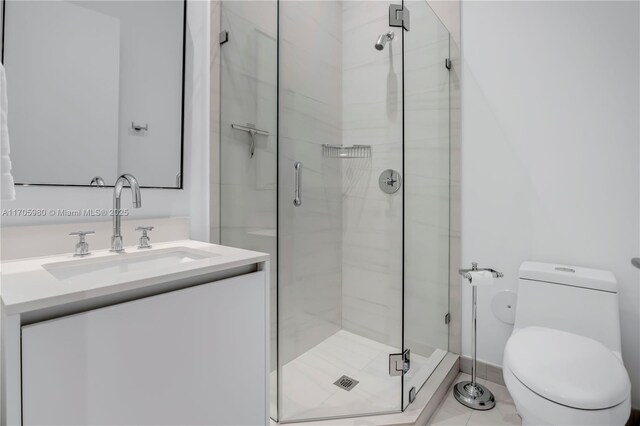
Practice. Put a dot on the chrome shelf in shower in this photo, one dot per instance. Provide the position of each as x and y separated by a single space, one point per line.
340 151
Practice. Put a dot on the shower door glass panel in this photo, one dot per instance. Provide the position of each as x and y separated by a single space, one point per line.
426 191
248 163
340 249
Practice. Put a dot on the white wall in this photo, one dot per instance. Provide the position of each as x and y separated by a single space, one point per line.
193 201
550 150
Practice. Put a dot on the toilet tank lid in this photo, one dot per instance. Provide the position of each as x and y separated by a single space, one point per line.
569 275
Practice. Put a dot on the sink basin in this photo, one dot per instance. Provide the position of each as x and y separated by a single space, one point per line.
153 260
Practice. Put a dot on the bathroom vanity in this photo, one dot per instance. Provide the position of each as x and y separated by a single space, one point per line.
175 334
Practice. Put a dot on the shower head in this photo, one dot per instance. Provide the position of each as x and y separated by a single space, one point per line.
383 39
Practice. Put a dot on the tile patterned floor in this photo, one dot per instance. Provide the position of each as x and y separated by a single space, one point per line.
451 412
307 381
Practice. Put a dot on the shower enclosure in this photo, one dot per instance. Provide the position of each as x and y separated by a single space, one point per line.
334 159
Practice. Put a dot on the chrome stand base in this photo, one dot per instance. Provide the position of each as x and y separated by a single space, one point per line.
474 396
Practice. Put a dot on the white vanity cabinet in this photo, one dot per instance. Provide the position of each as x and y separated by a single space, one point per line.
191 356
193 349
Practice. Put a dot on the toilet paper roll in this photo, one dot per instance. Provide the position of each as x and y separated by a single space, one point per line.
479 278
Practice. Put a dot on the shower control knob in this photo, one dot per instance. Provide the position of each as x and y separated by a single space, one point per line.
390 181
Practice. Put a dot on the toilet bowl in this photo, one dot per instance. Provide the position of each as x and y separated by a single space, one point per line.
562 363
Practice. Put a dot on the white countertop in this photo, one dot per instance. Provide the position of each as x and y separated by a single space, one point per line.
25 285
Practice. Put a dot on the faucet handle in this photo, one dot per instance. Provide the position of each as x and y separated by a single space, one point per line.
82 234
82 247
144 238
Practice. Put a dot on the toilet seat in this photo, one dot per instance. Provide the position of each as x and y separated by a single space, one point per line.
567 369
536 410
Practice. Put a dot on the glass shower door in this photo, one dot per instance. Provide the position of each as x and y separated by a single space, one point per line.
426 192
339 233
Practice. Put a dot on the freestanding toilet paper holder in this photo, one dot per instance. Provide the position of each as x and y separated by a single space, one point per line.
473 394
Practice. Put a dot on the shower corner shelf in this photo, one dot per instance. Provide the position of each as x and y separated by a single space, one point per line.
340 151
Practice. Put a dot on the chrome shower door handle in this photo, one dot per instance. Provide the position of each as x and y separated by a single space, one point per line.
297 200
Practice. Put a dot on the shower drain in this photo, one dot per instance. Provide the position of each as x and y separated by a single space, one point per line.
346 383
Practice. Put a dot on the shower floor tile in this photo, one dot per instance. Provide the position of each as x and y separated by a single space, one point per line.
309 392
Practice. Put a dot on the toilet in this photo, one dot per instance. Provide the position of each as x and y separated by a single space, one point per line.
562 363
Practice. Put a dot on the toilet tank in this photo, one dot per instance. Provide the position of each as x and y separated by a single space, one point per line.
578 300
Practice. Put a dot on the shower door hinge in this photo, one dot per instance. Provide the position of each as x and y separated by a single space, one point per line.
399 16
447 63
447 318
399 363
223 37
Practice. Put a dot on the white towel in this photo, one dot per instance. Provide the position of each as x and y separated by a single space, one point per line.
7 188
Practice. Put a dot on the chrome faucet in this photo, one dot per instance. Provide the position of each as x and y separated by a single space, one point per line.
116 239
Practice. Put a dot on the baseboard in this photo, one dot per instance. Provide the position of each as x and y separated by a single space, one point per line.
484 370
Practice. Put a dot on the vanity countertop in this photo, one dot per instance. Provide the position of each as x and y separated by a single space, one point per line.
30 284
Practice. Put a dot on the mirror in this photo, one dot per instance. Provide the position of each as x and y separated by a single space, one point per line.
96 89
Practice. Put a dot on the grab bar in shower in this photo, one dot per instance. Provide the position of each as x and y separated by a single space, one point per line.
297 200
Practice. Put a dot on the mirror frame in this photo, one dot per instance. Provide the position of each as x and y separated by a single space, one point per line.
182 107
